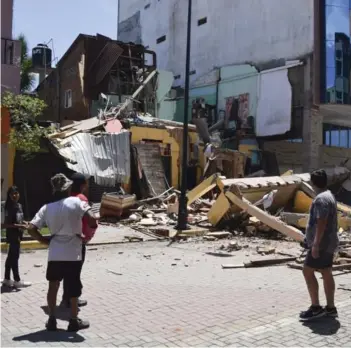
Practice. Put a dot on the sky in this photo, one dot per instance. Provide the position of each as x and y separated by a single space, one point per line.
62 21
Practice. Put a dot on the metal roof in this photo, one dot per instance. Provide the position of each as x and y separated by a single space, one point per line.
106 156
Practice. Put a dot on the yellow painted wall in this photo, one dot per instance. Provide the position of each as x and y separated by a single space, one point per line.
163 135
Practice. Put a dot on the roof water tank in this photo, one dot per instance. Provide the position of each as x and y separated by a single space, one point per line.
41 56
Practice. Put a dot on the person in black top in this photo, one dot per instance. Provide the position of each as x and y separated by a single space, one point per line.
14 225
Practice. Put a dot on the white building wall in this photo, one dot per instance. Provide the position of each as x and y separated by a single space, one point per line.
236 32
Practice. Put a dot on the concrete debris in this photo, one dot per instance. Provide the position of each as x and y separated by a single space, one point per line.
272 208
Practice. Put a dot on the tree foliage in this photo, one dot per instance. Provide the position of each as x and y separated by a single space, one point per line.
27 78
24 110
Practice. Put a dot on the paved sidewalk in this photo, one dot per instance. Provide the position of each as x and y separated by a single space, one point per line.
148 294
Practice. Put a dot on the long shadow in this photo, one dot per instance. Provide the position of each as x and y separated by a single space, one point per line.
324 326
50 336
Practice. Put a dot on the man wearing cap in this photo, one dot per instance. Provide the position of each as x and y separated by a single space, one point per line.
79 189
63 217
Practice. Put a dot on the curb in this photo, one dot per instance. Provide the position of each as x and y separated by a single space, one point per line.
35 245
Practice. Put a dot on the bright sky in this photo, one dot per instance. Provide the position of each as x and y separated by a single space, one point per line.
63 20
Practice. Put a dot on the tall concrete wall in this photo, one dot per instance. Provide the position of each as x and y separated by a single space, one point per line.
236 32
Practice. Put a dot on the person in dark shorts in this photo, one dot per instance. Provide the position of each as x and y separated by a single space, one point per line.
14 224
321 241
79 189
63 217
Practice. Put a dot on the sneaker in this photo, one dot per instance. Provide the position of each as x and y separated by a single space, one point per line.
77 324
51 324
313 312
7 282
21 284
331 312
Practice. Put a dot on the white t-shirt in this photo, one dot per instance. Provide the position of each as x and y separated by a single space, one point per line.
64 220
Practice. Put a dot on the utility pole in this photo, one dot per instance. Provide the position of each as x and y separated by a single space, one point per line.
183 200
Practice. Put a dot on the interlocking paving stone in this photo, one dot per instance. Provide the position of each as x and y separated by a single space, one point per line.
150 303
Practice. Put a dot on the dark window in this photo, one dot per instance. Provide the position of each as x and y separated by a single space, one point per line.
146 6
338 68
192 72
202 21
339 95
161 39
338 54
177 77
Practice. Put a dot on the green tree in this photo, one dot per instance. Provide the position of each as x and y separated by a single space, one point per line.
27 78
24 110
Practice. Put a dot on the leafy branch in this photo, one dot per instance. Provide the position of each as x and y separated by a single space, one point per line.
25 133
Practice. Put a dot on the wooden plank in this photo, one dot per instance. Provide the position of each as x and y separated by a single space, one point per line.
218 209
231 266
267 219
201 189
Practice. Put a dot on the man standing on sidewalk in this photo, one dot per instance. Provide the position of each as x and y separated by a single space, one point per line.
79 189
322 241
63 217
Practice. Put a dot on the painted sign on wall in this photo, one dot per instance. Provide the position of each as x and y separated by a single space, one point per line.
237 110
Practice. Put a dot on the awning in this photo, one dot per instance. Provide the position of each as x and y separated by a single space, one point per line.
337 114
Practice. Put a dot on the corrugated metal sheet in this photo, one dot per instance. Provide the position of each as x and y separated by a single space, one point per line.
106 157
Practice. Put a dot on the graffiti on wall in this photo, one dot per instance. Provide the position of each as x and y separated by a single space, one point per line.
237 110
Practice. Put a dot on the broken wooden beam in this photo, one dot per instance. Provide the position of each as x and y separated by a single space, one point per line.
265 262
271 221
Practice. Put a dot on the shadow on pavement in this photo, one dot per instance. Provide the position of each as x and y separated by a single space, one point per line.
50 336
7 289
324 326
61 313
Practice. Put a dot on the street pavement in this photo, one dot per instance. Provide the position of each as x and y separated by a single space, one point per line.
150 295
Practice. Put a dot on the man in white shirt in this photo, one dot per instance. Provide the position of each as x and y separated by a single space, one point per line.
63 217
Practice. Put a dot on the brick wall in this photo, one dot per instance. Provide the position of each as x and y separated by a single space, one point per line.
72 78
69 75
48 91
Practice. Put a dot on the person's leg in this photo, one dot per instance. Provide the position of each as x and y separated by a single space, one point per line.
72 276
8 266
329 286
65 296
312 285
52 296
18 283
315 310
16 255
53 276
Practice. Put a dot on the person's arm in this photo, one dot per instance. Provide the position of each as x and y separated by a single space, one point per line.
36 224
84 209
92 219
10 221
322 212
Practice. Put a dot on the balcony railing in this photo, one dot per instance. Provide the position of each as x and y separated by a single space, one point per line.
7 51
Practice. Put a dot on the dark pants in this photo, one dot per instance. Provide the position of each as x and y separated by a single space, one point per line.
325 260
12 261
66 295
